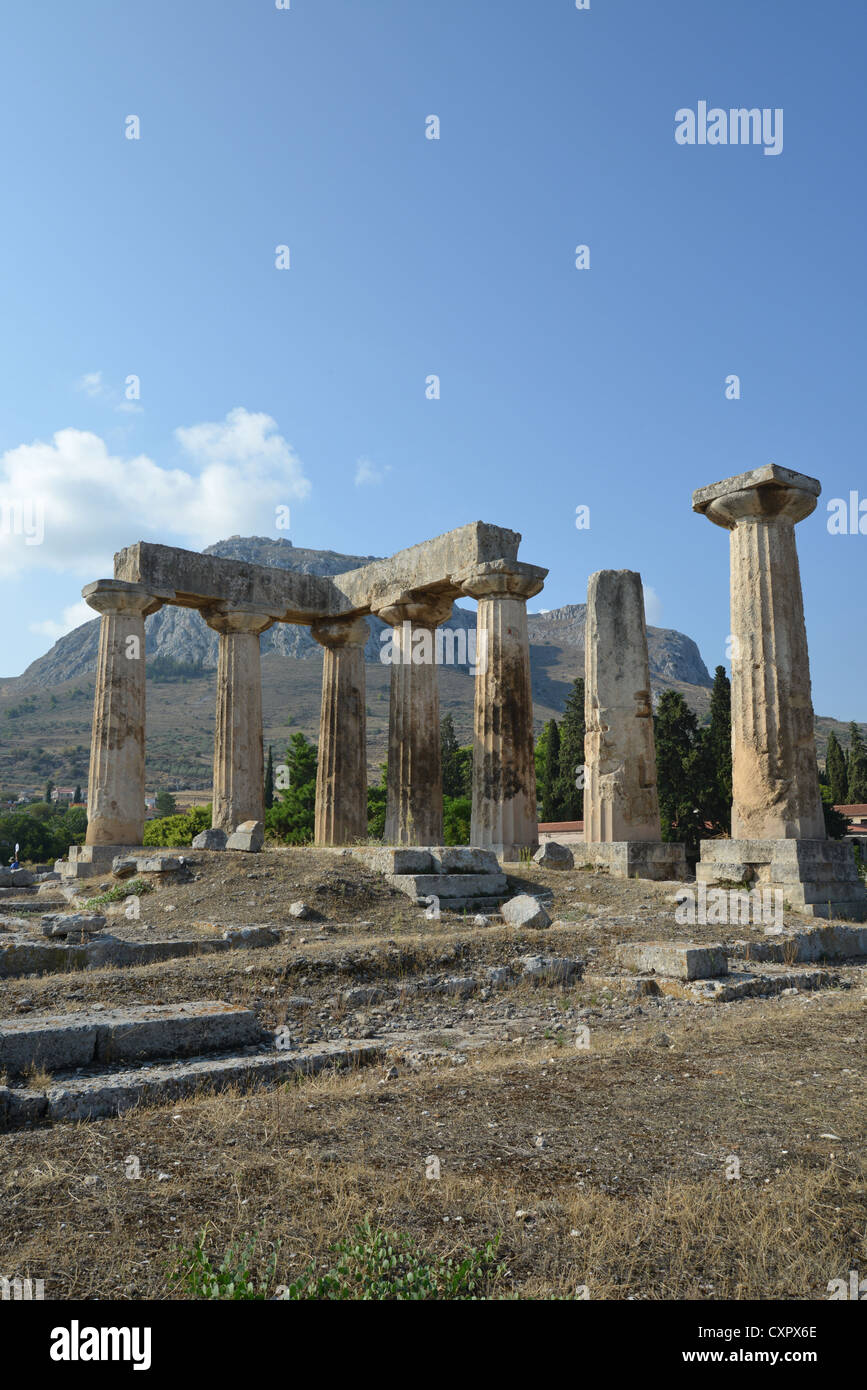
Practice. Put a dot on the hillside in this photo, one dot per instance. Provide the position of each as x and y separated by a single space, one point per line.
45 713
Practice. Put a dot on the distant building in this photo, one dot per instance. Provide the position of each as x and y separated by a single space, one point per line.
565 832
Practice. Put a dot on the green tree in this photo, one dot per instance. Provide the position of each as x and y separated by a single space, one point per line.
77 796
457 815
449 750
836 771
166 804
376 796
269 779
679 771
551 773
570 797
857 767
292 817
836 823
49 788
713 758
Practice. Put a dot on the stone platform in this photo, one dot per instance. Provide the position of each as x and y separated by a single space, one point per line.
653 859
816 877
462 877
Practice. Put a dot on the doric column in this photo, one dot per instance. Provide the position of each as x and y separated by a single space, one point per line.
116 785
414 798
239 769
775 784
620 796
341 777
505 817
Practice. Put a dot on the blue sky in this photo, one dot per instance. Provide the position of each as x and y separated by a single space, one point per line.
410 257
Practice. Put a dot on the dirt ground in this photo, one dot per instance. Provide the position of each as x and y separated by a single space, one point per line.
622 1144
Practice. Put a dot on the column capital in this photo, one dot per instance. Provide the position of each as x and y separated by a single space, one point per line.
419 608
769 493
502 579
117 596
237 617
336 633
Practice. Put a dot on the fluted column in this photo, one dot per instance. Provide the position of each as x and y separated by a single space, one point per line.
504 816
116 783
620 797
341 776
414 797
775 784
239 768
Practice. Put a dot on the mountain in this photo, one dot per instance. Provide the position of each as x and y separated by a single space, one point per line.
180 634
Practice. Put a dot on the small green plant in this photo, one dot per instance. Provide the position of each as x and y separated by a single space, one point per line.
133 888
525 854
384 1266
233 1279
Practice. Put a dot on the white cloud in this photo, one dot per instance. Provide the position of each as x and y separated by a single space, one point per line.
89 502
73 616
91 383
652 607
367 473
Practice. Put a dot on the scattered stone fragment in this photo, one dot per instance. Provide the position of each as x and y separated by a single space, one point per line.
525 911
62 924
554 856
301 910
249 836
552 969
210 839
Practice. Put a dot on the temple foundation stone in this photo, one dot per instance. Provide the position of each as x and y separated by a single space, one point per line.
622 830
341 776
778 827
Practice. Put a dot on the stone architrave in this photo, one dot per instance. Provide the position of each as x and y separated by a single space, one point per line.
341 777
414 796
239 768
778 826
621 805
504 816
116 784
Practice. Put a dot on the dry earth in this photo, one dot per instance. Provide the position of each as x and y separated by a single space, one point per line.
602 1166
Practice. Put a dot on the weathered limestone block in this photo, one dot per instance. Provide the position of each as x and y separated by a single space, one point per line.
552 970
341 776
674 958
414 797
620 797
116 788
525 911
62 924
249 836
653 859
504 816
554 856
210 839
239 766
463 885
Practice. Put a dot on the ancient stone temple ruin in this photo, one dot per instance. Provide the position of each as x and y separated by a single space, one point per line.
621 807
778 837
413 591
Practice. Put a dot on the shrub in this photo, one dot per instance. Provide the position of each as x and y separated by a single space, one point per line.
173 832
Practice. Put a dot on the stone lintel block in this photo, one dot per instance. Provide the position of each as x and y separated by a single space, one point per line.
417 886
678 960
652 859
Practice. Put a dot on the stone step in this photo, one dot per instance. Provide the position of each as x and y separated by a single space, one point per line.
835 942
166 1079
26 956
428 859
446 887
96 1037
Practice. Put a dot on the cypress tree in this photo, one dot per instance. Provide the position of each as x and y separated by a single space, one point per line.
678 771
857 766
269 779
570 797
550 803
836 771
